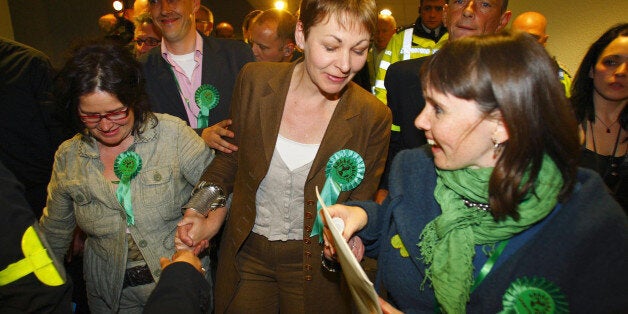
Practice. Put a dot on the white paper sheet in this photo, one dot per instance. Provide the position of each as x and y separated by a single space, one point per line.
361 287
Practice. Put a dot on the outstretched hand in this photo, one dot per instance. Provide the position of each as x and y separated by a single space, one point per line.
182 256
214 134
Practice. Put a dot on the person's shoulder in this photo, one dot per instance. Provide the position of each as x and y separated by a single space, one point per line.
407 65
170 121
261 70
13 53
588 200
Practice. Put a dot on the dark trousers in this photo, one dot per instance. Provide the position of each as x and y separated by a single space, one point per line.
271 275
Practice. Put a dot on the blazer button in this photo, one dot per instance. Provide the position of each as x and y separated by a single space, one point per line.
309 215
308 278
309 202
307 267
157 176
308 254
142 243
308 229
307 241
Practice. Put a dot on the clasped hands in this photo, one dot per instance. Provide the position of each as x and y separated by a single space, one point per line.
195 230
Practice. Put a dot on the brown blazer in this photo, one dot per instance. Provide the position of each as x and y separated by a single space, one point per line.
360 123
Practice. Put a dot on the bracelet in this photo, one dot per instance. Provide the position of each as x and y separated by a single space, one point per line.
329 265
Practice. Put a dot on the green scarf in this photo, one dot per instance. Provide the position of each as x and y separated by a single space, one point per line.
448 242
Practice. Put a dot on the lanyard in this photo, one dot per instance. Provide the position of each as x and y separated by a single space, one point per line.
187 101
488 265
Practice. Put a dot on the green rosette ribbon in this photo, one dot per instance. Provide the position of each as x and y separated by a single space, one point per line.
206 97
344 172
126 166
534 295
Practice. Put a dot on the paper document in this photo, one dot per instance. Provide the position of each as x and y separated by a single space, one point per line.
361 287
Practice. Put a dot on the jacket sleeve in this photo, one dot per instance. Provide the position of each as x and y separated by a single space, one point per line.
181 289
58 220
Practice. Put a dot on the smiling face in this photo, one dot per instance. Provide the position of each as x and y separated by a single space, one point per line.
471 17
610 70
459 133
107 132
175 18
333 52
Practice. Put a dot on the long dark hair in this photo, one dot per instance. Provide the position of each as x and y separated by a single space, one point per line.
582 86
103 66
513 74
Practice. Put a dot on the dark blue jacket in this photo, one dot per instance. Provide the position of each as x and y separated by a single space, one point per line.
581 247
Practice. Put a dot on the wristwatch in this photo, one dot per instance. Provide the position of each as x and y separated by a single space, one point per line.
206 197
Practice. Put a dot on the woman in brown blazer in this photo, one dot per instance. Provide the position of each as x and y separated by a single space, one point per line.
289 119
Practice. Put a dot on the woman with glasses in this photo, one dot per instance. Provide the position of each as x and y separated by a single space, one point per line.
147 35
122 179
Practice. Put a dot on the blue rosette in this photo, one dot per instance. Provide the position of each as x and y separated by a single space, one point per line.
344 172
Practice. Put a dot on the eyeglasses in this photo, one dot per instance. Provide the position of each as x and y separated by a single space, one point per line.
148 41
112 116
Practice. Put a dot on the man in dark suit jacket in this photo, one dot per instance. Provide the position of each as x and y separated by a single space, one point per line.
175 80
403 83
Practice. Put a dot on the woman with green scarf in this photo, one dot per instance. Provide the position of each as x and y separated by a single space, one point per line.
493 214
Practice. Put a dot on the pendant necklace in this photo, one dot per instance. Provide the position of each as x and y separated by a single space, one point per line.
611 158
608 127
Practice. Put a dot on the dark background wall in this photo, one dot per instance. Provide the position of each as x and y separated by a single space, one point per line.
53 26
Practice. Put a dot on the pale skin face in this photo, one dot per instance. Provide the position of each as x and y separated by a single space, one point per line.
459 133
385 30
108 133
145 34
470 17
175 18
610 70
333 53
203 24
266 45
532 23
432 13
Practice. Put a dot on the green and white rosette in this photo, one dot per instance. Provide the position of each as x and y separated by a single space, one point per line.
126 166
344 172
206 97
534 295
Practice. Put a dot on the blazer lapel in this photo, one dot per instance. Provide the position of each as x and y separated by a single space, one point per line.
338 133
271 105
168 84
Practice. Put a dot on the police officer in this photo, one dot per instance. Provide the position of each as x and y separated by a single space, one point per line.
423 38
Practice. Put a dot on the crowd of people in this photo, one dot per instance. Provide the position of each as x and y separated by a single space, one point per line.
179 164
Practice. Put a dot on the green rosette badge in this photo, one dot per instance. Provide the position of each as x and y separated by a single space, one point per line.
126 166
206 97
536 295
344 172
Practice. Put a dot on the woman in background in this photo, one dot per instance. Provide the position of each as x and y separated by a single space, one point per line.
122 179
599 96
493 214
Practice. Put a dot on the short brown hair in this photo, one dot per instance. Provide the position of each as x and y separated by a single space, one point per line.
312 12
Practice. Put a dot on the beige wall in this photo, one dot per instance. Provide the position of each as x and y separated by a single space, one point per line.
572 25
6 28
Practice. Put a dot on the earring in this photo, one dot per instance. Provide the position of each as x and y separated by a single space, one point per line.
497 147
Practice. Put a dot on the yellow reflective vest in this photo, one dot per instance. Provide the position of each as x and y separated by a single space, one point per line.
410 43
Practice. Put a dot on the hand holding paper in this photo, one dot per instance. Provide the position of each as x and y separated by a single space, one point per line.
361 287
